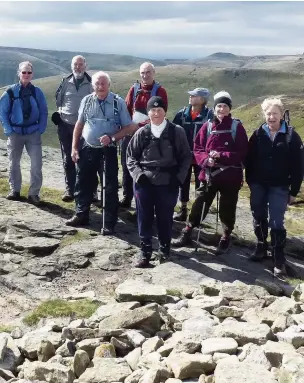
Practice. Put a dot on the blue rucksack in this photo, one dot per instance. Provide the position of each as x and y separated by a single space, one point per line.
137 90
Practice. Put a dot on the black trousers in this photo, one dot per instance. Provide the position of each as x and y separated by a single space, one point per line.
127 181
227 205
90 162
184 190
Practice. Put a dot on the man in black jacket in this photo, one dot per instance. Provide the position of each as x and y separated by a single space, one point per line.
274 173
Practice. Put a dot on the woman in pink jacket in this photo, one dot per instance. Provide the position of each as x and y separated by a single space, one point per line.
219 149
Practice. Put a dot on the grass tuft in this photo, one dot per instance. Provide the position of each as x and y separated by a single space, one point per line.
55 308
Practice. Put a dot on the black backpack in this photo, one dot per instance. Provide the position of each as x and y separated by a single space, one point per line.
89 78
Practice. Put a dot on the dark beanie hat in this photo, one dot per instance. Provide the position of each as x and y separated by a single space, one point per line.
156 102
223 97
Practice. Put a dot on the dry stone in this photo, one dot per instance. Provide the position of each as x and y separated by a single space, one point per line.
140 291
10 356
105 350
186 366
293 335
135 376
45 351
216 345
133 358
50 372
89 346
292 369
207 303
107 310
275 351
254 354
151 345
80 362
243 332
228 311
106 370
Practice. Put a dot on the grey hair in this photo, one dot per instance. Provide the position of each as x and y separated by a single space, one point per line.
100 74
23 64
76 58
149 64
269 102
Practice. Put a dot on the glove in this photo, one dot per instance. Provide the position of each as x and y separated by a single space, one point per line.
143 180
56 119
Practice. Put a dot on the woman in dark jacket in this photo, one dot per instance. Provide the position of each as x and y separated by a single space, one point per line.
219 149
274 173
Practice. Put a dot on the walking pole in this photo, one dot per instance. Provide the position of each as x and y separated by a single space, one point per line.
199 229
103 187
217 212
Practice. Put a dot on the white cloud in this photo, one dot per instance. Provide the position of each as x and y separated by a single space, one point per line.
165 29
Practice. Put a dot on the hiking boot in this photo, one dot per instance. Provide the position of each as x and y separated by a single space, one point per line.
95 196
223 246
125 203
34 199
181 216
279 272
142 260
163 253
76 221
184 239
107 230
67 196
13 196
260 252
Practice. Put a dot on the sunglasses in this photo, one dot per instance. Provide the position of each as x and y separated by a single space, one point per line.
26 72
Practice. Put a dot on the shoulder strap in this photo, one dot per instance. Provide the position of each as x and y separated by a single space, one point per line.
12 99
155 88
171 138
290 130
209 128
115 105
61 85
89 78
136 88
234 126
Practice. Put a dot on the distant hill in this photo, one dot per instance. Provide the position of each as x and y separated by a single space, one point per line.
49 63
246 86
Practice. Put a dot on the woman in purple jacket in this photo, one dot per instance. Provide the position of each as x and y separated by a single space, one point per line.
219 149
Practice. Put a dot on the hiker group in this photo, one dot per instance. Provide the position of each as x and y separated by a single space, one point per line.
158 157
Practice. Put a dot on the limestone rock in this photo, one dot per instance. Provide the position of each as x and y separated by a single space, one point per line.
80 362
248 303
254 354
293 335
107 310
135 337
79 334
135 376
227 372
106 370
105 350
216 345
210 287
140 291
292 369
285 305
10 356
67 349
146 318
275 351
238 291
190 366
133 358
207 303
45 351
89 346
151 345
243 332
228 311
51 372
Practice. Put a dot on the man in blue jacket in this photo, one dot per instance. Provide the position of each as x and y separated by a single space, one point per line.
23 114
192 118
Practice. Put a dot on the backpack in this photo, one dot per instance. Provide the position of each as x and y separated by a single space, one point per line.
137 90
12 98
195 123
115 105
89 78
233 129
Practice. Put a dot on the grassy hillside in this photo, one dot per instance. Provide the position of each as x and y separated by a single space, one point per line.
247 88
49 63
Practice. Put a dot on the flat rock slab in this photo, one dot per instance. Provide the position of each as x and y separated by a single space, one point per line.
137 290
242 373
42 245
106 370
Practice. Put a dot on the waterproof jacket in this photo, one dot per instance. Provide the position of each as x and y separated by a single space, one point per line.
153 157
12 116
275 163
232 152
192 127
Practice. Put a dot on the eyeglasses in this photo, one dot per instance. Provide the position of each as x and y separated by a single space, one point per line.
26 72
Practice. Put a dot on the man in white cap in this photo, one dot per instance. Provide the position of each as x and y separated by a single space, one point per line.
191 118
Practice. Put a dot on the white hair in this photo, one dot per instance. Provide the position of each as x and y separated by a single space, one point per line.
221 94
148 64
75 58
99 74
269 102
24 64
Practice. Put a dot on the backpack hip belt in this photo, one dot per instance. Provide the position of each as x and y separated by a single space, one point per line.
161 169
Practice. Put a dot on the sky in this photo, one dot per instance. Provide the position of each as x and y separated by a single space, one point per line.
155 29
